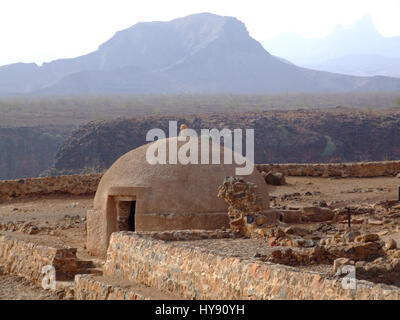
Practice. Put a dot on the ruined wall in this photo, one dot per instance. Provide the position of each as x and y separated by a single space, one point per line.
351 169
182 235
87 184
74 184
27 259
195 273
89 288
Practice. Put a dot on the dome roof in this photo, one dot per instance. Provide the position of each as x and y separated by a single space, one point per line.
173 188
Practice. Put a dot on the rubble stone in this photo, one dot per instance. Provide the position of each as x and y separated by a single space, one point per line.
340 262
316 214
244 201
274 178
390 244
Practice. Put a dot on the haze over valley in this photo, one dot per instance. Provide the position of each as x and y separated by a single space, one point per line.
355 50
208 67
199 53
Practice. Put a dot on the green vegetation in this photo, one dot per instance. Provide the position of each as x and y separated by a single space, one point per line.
283 132
329 148
46 136
397 101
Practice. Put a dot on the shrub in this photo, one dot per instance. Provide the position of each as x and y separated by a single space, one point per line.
329 148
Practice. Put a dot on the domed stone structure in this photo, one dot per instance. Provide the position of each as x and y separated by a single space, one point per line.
134 195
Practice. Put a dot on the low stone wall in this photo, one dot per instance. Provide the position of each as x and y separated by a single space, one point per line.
87 287
87 184
186 235
27 259
74 184
356 169
195 273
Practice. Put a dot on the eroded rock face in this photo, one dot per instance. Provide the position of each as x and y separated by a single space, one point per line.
245 204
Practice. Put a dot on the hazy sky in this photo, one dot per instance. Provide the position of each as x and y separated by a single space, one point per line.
44 30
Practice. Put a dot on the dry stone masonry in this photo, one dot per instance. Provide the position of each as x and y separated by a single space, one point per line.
27 259
344 170
165 260
195 273
74 184
245 204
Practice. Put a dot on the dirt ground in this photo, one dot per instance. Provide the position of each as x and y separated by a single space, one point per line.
60 220
338 192
341 193
17 288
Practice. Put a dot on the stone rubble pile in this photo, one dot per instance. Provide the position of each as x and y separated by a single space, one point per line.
384 269
245 204
365 248
19 226
374 259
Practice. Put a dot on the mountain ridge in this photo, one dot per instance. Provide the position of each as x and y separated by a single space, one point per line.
302 136
200 53
333 53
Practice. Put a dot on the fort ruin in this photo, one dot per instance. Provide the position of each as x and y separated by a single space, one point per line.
134 195
296 258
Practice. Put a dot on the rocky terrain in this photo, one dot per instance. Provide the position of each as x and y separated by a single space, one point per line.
299 136
26 152
280 137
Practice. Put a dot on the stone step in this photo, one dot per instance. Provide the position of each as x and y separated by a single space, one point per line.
92 287
95 271
90 263
65 289
98 263
85 264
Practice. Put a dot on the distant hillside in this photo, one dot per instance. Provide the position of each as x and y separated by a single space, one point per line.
201 53
361 65
358 50
294 136
26 152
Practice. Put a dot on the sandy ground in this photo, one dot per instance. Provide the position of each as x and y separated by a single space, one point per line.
61 219
17 288
45 208
340 192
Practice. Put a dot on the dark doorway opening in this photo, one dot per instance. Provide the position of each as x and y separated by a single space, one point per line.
126 210
132 216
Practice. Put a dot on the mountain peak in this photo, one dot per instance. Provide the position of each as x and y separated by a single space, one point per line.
159 44
362 27
203 53
365 22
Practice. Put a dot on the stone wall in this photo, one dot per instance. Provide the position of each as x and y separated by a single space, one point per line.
74 184
186 235
27 259
87 287
87 184
195 273
355 169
